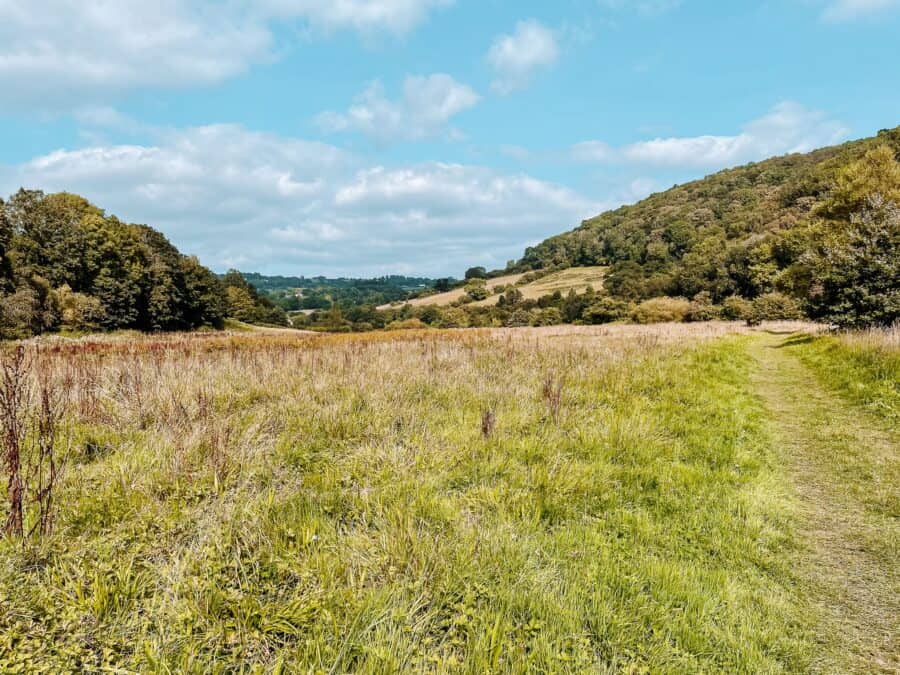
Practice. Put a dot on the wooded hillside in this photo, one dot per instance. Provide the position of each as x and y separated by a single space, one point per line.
756 230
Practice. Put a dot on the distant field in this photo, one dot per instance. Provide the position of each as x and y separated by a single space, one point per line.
677 498
454 295
575 278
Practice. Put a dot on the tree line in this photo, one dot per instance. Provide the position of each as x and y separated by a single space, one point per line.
67 265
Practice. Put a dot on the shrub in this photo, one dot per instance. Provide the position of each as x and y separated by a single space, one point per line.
453 318
605 310
476 273
736 308
520 317
661 310
407 324
703 309
774 307
476 290
551 316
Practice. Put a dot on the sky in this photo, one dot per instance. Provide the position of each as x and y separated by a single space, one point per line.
418 137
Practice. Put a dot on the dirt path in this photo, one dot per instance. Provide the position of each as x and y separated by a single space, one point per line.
836 454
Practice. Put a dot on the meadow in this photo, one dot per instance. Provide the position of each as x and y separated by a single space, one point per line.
611 499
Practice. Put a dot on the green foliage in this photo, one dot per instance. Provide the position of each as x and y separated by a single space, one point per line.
476 273
476 289
246 304
774 307
736 308
66 264
754 230
295 293
79 312
852 270
877 173
606 310
661 310
703 309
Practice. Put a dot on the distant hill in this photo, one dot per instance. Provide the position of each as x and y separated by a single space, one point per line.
734 233
309 293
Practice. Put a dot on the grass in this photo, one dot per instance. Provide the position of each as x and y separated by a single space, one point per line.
863 366
832 406
287 503
452 296
573 279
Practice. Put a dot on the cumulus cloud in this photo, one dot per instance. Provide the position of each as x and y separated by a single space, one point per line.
845 10
265 202
517 57
53 52
788 127
424 109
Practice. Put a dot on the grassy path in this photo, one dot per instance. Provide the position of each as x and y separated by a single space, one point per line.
843 463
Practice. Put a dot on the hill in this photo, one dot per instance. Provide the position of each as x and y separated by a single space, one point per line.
449 297
739 232
577 279
310 293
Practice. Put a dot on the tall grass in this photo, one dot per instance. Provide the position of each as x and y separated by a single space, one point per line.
863 365
494 501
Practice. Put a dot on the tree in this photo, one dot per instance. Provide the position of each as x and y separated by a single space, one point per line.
476 273
854 269
78 311
63 259
443 285
477 290
877 173
204 295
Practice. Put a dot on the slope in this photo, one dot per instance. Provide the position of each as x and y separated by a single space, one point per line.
732 233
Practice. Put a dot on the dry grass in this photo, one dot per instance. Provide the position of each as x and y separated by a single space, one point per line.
450 297
568 499
574 279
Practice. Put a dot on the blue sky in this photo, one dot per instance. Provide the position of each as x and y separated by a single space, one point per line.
361 137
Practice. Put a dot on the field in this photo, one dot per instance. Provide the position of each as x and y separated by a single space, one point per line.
615 499
573 279
457 293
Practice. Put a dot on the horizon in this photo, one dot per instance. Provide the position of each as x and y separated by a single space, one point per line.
411 137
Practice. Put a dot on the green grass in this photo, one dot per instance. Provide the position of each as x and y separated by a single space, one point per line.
335 508
864 367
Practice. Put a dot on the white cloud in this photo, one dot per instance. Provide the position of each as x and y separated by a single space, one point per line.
270 203
845 10
788 127
396 16
642 6
53 52
592 151
424 110
516 58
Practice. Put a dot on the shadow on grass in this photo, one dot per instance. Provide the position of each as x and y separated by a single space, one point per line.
793 340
